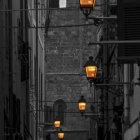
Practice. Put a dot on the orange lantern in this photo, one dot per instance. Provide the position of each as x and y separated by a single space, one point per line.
60 135
57 123
82 105
91 69
86 6
87 3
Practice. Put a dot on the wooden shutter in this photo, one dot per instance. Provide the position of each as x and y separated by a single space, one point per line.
128 29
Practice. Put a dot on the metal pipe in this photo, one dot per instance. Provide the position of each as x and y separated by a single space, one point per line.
110 17
36 71
114 84
114 42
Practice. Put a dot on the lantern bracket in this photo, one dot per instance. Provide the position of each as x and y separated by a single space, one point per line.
86 12
96 21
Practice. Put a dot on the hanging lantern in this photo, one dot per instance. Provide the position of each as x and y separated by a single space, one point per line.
60 135
91 69
82 105
86 6
87 3
57 123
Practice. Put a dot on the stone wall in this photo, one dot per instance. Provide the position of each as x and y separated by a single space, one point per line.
66 51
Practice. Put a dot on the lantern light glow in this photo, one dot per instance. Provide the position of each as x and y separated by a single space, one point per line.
87 3
57 123
82 104
91 69
60 134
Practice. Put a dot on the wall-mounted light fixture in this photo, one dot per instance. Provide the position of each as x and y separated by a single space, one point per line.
87 6
57 123
91 70
82 105
60 135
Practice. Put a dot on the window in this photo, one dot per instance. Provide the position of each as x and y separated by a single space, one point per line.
113 9
128 29
16 113
59 110
48 114
54 3
24 56
131 78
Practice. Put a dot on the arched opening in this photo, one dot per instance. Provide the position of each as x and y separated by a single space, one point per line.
59 108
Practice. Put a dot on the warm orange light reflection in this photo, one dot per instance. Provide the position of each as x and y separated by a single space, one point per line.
60 135
87 3
57 124
82 106
91 71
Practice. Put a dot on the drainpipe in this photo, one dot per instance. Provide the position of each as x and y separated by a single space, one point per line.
36 71
126 95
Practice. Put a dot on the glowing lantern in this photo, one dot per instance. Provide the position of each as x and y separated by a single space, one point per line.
87 3
82 105
91 69
57 123
86 6
60 135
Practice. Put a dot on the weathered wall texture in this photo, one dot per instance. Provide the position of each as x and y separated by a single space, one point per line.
66 51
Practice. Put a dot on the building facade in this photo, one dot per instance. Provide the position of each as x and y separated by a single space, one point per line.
128 54
14 72
43 48
4 59
36 32
22 68
120 63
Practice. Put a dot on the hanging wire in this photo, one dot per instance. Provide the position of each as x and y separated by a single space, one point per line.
52 9
51 26
39 9
69 112
65 101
